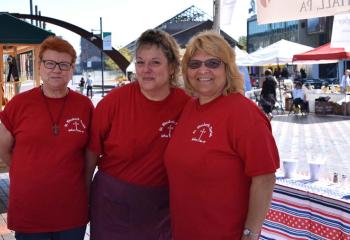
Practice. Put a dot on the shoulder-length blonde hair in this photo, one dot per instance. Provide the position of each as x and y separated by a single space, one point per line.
214 44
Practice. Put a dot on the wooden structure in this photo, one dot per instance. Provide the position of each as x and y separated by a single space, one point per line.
16 37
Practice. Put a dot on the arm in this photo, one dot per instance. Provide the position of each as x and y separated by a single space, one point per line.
90 165
259 202
6 144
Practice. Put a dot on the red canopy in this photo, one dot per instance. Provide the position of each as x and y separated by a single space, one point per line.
324 52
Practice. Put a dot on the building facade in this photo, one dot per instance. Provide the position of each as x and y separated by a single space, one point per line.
312 32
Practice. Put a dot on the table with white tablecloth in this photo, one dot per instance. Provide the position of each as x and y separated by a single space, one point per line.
334 97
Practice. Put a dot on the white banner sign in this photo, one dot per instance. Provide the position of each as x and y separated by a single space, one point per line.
107 41
270 11
341 32
226 10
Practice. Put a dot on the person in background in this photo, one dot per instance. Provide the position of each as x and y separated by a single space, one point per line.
268 93
297 76
277 72
285 73
81 85
89 84
222 158
345 81
303 74
131 128
299 97
44 132
13 70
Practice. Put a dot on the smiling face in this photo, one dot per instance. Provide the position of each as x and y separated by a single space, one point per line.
55 80
153 72
208 83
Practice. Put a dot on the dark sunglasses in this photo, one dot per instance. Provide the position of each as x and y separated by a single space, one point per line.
211 63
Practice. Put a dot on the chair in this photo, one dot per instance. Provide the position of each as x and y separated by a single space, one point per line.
299 106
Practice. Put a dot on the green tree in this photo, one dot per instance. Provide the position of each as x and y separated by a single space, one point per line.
111 65
242 40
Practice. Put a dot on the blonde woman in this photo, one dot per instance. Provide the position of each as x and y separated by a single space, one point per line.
222 158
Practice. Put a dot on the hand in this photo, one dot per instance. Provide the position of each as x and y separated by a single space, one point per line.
249 235
250 238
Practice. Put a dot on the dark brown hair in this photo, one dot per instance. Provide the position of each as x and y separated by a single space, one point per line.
167 44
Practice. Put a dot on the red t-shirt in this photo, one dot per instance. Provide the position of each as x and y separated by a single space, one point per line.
131 132
47 191
215 150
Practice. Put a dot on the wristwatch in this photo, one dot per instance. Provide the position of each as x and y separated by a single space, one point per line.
248 233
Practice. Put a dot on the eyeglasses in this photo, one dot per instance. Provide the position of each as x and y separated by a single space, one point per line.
211 63
63 66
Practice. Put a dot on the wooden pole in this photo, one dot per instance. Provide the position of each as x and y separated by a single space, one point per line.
36 62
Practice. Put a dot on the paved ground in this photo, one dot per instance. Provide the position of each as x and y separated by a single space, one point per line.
317 139
304 139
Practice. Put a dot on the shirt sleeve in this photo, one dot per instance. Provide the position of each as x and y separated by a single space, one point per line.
7 116
101 123
255 144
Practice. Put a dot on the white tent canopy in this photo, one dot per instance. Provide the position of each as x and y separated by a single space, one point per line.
243 58
280 52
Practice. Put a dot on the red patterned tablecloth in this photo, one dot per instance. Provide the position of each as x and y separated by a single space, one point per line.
297 213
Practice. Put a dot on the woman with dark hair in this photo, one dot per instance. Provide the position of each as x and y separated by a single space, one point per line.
131 128
268 93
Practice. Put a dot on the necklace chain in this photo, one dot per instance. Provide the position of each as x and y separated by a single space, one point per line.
54 122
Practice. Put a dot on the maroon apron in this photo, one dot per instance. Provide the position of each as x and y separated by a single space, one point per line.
124 211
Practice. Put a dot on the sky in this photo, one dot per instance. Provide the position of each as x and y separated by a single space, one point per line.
126 19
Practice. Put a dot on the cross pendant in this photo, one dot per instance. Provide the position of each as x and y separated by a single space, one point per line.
55 129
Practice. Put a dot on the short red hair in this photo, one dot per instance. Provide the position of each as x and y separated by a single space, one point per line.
57 44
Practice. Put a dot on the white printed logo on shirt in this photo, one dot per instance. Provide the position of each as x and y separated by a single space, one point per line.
202 133
75 125
167 128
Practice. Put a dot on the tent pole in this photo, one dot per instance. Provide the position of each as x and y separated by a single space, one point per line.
344 64
279 87
281 101
340 77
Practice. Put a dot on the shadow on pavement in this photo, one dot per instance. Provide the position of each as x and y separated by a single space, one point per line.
309 119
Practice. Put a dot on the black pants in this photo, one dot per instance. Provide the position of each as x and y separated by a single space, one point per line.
267 103
300 102
12 72
89 91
